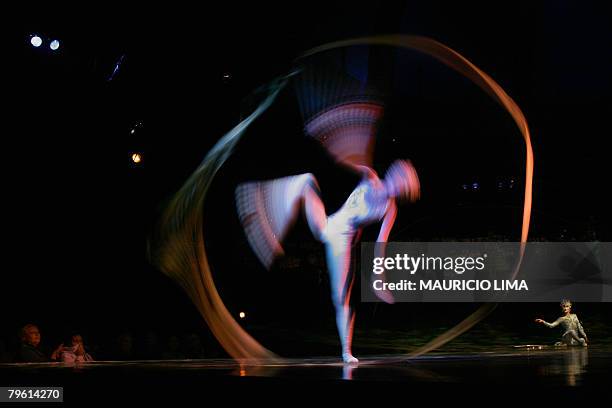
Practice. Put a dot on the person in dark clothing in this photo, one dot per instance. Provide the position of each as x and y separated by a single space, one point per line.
31 350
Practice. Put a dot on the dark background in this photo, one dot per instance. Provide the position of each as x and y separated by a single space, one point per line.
80 211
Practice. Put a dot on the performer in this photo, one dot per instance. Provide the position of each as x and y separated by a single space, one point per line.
574 334
267 209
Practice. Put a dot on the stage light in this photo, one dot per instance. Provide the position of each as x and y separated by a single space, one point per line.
116 69
36 41
242 315
132 131
54 45
475 186
136 158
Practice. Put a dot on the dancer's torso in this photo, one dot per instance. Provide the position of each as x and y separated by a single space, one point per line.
570 323
367 204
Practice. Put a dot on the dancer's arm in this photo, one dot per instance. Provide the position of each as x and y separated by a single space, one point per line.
385 228
381 245
550 325
357 237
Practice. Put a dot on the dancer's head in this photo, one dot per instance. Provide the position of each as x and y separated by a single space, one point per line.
566 306
402 181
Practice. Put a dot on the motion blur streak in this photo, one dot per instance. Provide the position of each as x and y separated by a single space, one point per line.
179 250
178 246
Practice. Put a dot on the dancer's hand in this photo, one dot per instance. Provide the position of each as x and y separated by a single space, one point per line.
413 182
539 321
385 296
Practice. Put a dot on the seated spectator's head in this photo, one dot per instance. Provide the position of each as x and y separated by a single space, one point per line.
30 335
76 339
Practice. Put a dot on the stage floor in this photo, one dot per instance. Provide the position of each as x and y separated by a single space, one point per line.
554 371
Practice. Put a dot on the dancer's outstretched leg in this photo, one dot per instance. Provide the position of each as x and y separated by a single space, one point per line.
268 209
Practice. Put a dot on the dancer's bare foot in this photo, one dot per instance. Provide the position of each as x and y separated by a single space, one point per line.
348 358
